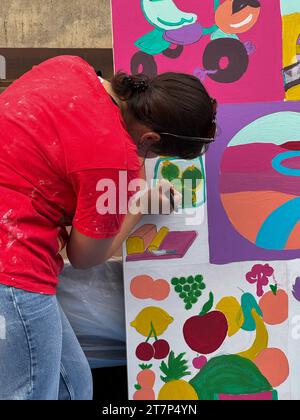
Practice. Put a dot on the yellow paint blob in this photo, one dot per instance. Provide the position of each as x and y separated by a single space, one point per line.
177 390
157 241
291 31
233 312
155 316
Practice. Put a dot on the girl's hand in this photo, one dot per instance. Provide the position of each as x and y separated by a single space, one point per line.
161 199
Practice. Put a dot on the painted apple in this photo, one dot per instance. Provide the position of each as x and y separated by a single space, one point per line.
237 16
206 332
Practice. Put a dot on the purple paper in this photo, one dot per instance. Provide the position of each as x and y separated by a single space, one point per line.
225 243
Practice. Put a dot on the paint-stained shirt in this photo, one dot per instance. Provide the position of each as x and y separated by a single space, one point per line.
60 135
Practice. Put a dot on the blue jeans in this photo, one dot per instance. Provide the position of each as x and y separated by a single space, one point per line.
40 357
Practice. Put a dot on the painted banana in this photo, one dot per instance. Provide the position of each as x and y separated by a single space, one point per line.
261 340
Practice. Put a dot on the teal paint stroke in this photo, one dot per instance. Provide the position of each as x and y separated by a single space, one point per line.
219 34
153 42
276 128
216 4
210 30
249 303
178 23
279 167
277 228
164 14
214 28
289 7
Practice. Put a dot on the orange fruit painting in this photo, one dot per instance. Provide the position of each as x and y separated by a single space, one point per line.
275 307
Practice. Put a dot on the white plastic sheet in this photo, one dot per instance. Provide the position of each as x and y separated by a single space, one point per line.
93 301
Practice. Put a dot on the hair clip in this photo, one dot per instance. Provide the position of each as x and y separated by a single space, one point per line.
137 85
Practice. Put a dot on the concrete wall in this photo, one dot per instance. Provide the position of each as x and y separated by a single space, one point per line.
55 24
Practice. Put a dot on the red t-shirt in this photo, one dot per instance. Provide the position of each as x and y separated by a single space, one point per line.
60 134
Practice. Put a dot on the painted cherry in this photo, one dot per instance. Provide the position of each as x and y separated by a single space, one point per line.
161 349
145 352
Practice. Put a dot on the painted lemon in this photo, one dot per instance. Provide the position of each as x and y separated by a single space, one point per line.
152 316
233 312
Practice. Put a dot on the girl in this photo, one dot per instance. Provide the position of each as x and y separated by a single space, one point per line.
62 131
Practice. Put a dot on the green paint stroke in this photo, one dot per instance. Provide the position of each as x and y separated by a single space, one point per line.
230 375
208 305
189 289
188 195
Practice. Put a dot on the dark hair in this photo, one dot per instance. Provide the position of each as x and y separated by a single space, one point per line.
175 103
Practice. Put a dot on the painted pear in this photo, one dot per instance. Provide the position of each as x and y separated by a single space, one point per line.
233 312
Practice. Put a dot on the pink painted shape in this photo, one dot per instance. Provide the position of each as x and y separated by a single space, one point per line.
260 275
249 168
263 396
263 79
175 240
249 158
267 181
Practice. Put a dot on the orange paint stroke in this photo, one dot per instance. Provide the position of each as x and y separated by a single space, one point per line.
144 394
145 287
294 239
146 378
248 210
275 308
274 365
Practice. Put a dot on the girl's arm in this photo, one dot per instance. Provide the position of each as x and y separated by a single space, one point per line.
85 252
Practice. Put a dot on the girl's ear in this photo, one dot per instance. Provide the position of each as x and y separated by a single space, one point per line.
149 137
